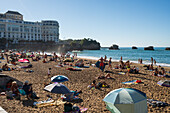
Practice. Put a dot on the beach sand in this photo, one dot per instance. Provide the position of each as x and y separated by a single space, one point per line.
79 80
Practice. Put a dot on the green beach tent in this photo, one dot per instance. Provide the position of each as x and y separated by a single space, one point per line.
126 100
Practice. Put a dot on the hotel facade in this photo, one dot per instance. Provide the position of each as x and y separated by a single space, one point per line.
13 27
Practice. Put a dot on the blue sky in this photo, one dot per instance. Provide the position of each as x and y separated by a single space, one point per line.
123 22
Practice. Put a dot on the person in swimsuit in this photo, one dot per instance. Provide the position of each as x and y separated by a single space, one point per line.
110 63
128 67
101 64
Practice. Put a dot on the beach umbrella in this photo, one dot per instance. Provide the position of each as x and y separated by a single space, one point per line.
126 100
57 88
23 60
164 83
59 78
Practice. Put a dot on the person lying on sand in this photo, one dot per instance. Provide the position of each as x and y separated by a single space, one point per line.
92 85
105 76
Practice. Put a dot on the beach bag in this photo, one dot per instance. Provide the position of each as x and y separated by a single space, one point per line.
68 107
99 85
9 95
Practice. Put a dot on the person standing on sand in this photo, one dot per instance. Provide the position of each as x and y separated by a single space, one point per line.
121 58
110 63
49 72
101 65
105 58
141 61
151 60
154 62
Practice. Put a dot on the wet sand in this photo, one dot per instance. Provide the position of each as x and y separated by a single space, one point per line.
79 80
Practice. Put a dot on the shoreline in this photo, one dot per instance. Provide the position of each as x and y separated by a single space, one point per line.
114 60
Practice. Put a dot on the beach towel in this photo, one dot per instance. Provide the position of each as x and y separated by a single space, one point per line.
59 66
81 67
74 69
132 82
82 109
43 102
121 73
155 103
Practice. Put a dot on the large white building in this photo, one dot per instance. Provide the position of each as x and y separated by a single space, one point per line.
13 27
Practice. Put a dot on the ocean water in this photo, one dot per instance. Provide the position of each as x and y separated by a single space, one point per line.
161 55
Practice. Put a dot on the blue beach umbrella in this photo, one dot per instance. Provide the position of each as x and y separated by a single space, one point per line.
126 100
57 88
59 78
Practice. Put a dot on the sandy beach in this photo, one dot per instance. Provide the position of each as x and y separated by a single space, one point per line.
79 80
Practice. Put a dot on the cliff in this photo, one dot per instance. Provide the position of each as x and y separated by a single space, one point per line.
84 44
62 46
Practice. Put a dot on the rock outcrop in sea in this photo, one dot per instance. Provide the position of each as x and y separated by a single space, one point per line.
114 47
167 48
149 48
134 47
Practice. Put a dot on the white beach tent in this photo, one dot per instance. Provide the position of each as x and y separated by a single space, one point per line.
126 100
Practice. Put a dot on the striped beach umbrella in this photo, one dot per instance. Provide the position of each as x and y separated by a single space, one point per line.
59 78
23 60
